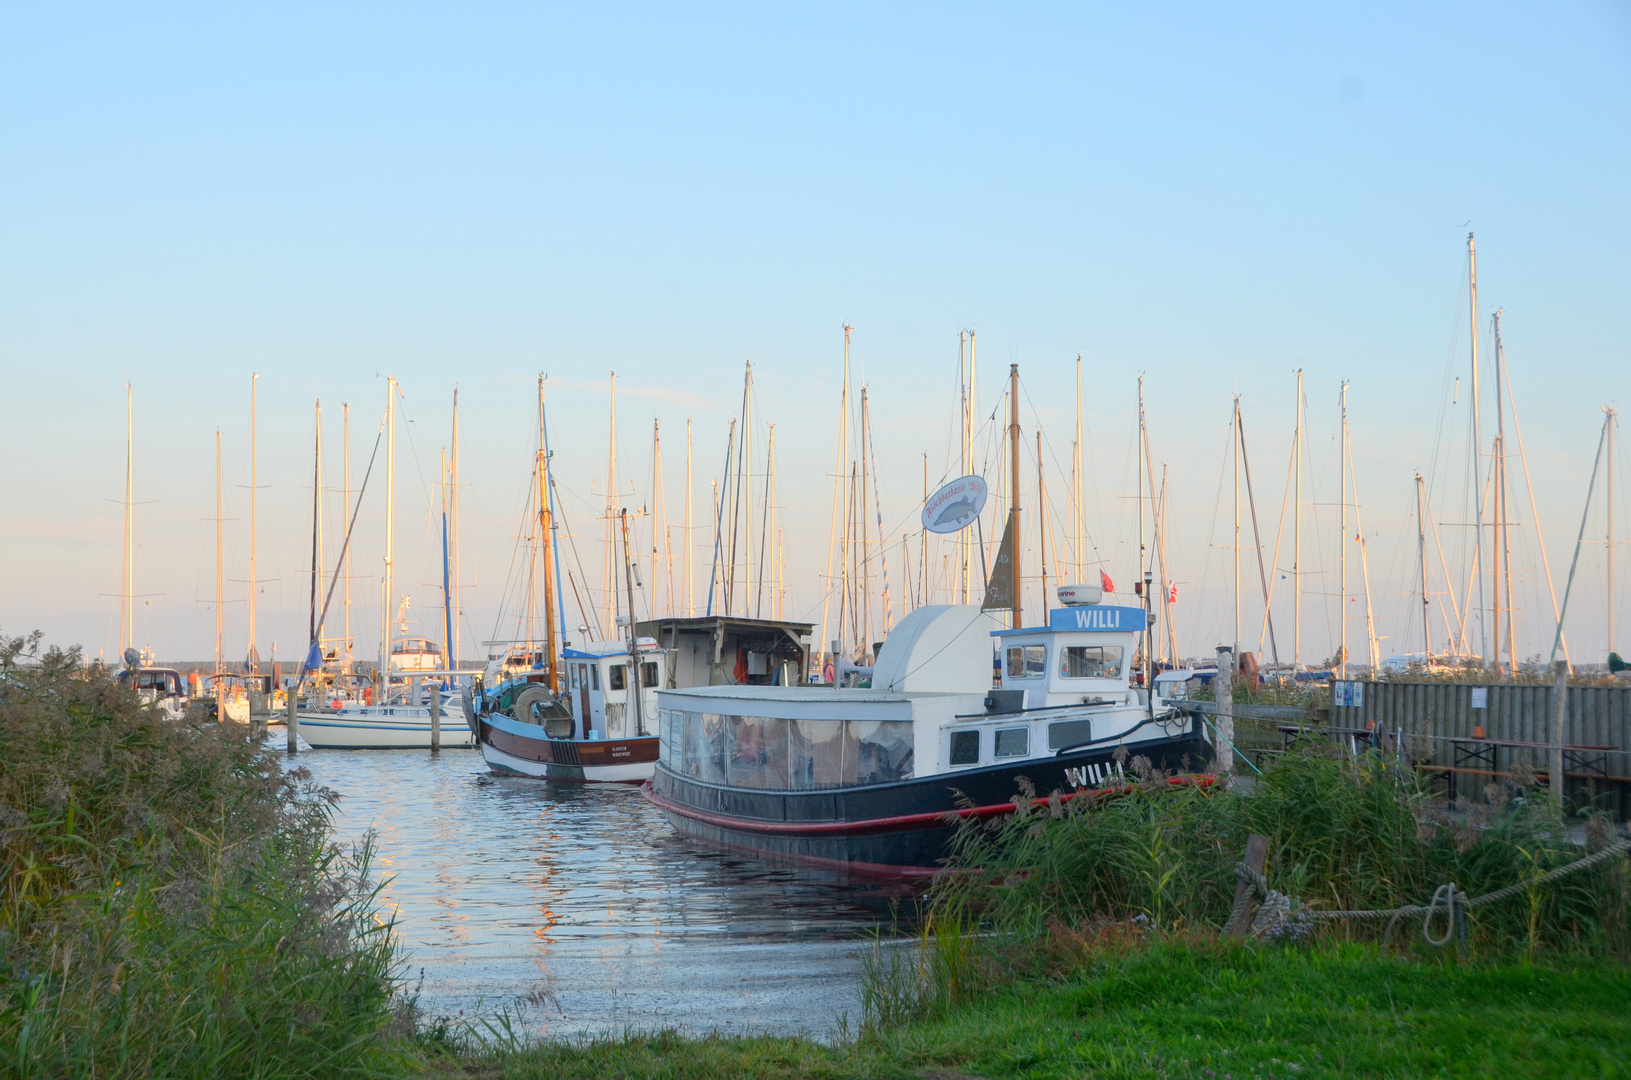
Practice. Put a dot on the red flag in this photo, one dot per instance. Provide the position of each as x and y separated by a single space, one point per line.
1172 593
1105 583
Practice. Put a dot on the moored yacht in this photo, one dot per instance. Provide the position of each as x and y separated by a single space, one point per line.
868 780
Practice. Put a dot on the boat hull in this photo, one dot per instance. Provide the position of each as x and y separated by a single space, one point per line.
374 727
891 830
515 748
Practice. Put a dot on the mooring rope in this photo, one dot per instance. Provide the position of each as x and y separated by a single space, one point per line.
1277 907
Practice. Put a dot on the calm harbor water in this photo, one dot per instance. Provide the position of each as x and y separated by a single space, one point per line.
582 899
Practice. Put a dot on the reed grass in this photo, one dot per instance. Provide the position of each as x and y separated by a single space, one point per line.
1059 883
172 904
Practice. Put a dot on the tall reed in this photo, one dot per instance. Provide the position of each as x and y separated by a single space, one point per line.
172 905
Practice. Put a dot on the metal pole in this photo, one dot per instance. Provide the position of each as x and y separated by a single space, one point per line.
1421 554
1013 502
1342 536
1223 754
1560 713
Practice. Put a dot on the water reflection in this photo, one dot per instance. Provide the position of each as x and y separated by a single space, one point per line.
583 897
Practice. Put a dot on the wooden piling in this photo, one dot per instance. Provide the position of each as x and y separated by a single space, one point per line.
292 719
1246 902
1223 754
435 717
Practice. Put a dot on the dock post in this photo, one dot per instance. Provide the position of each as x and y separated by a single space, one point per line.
1246 900
435 717
292 719
1560 713
1223 754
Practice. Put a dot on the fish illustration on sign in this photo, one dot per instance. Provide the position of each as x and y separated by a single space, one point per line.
956 506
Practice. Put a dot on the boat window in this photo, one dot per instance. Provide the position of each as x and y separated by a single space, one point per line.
670 730
1090 662
703 748
617 677
1027 661
965 748
648 673
583 677
1013 742
791 755
758 752
1064 734
815 754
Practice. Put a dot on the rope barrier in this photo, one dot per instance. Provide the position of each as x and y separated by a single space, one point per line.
1276 907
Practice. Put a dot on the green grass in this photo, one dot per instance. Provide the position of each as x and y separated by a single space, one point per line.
1188 1011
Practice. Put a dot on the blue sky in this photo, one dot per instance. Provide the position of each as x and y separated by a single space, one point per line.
471 194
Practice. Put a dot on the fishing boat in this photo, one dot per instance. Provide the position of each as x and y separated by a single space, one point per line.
871 781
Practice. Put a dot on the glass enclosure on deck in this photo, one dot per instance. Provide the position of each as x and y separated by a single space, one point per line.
775 754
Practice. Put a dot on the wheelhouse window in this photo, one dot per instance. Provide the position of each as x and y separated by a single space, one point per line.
648 673
1013 742
965 748
1090 662
594 676
1027 661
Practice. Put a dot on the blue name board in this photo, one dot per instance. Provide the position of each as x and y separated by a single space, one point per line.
1097 617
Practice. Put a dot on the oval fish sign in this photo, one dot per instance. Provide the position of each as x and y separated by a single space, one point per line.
954 507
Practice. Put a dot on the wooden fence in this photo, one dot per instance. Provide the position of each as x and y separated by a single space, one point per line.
1443 716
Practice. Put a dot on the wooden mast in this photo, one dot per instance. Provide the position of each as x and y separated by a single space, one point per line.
1013 498
866 538
546 546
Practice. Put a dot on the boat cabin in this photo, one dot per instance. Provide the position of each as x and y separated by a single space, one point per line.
415 654
599 679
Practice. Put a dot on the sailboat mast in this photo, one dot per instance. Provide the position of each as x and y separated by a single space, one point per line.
866 537
690 546
657 511
453 546
219 579
1297 533
1234 453
316 519
345 449
1079 547
127 603
1042 526
634 680
607 578
1342 534
837 507
254 492
1477 471
1421 555
1609 566
1013 495
745 482
447 583
547 547
383 676
1503 531
964 426
768 535
1142 580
